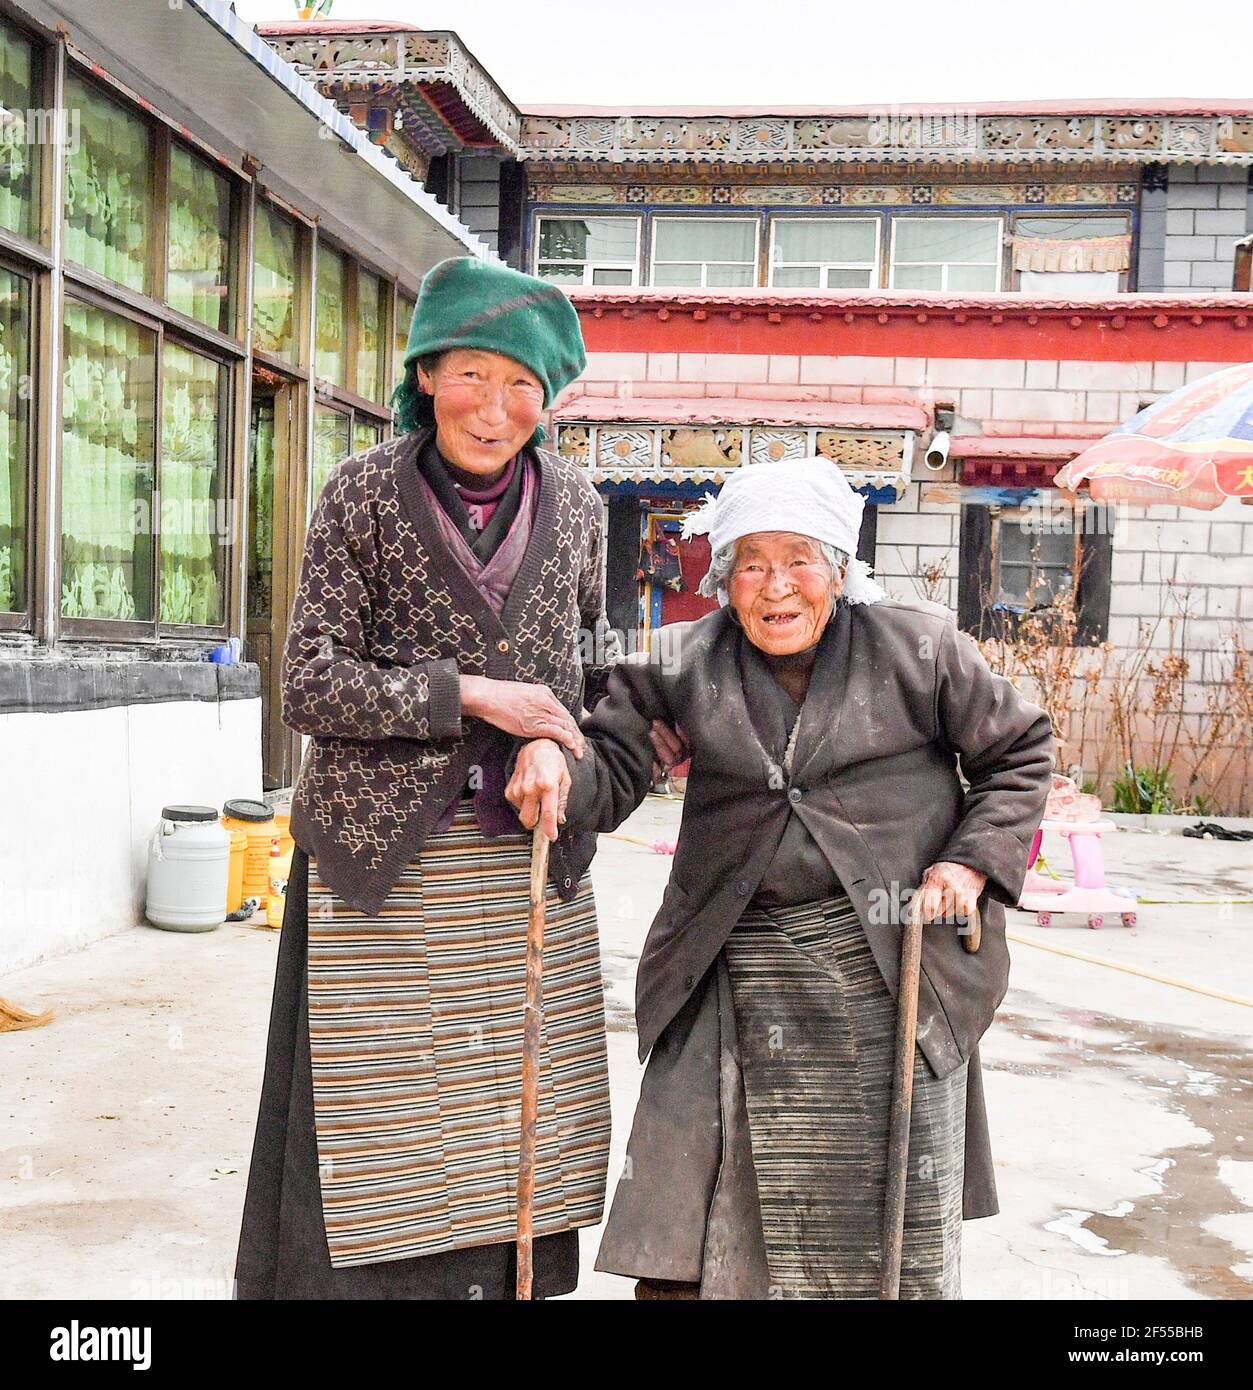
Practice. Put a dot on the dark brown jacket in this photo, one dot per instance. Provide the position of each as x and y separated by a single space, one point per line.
385 621
899 699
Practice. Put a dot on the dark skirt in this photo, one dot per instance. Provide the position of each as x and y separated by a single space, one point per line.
816 1028
283 1251
756 1162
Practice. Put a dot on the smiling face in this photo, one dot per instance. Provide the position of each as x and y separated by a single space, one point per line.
486 408
782 589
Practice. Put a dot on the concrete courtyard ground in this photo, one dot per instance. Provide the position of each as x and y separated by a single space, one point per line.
1121 1108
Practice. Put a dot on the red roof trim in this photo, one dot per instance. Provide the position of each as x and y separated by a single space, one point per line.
760 301
1001 447
281 28
1079 106
879 323
742 410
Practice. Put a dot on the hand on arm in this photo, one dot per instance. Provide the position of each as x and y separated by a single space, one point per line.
669 748
526 711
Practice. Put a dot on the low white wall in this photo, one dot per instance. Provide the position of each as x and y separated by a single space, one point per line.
83 791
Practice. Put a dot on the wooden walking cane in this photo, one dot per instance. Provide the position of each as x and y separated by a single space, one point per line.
530 1060
903 1092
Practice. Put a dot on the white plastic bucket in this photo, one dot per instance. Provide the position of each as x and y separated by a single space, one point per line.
189 859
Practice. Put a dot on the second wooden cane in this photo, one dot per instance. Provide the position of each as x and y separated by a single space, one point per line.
531 1026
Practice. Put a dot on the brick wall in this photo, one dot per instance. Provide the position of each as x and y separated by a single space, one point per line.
479 206
1203 214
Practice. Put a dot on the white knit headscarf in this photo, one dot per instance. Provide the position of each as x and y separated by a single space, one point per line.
808 497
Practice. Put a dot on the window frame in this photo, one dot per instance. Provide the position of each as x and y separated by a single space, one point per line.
325 391
999 218
589 266
237 329
55 284
657 220
1125 277
872 266
21 619
978 577
44 74
154 629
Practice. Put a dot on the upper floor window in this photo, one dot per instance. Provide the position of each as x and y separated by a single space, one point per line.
405 305
199 260
19 144
588 250
1071 255
827 253
15 437
276 273
370 341
331 349
108 187
950 254
705 252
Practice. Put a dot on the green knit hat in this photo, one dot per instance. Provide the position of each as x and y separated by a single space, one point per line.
468 303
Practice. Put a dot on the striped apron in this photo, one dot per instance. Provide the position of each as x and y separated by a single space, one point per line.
816 1031
415 1032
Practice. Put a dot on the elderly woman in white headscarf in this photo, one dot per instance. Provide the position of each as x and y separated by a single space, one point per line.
847 752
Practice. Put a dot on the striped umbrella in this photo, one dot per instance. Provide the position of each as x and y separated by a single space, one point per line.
1192 448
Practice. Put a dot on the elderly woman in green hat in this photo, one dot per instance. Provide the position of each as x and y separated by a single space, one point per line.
451 581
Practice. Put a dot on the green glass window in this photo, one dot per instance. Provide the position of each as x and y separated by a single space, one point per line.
14 437
198 279
365 435
275 273
19 145
369 336
331 361
108 187
331 445
195 517
107 453
405 304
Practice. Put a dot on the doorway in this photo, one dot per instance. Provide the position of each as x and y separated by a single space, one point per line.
274 475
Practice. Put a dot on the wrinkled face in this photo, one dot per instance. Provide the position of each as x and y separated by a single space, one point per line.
486 407
782 589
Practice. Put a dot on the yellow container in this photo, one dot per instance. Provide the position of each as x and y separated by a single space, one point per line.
280 872
256 820
282 828
235 874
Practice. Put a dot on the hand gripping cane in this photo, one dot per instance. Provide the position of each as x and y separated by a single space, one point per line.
903 1092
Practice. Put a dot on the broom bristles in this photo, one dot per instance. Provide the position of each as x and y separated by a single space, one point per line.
13 1017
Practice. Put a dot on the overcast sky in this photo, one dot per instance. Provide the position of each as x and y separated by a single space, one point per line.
797 52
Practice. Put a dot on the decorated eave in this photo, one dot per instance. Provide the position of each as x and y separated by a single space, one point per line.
681 441
1011 461
423 86
1096 134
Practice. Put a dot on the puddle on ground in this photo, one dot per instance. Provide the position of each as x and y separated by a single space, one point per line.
1206 1080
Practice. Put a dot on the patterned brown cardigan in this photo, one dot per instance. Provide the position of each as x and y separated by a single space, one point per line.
384 622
